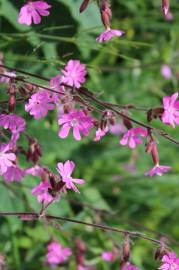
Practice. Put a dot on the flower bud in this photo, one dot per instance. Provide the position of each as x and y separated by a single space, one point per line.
165 6
84 5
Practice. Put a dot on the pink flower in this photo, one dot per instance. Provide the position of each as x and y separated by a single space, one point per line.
170 262
74 73
35 171
158 170
117 129
32 12
13 122
6 80
170 115
65 170
14 173
109 34
39 104
78 121
6 158
108 256
57 254
129 266
132 137
55 84
41 191
166 72
100 133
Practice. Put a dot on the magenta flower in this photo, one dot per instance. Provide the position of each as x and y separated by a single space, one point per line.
78 121
41 192
109 34
6 158
170 115
166 72
129 266
32 12
13 122
158 170
14 173
108 256
100 133
40 103
74 73
57 254
35 171
170 262
132 137
65 170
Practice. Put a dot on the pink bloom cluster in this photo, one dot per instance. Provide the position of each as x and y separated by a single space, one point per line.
132 137
170 115
32 12
170 261
57 254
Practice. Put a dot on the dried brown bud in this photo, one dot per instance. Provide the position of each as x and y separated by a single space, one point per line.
126 248
12 97
160 252
154 113
34 151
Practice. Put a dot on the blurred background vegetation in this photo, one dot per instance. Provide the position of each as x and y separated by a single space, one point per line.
125 70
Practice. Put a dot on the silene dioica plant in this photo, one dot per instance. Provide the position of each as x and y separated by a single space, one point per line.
79 111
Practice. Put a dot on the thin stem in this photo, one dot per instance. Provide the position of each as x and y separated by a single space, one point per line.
94 225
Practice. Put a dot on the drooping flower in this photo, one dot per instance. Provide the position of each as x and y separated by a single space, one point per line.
78 121
166 72
41 192
132 137
13 122
170 261
170 115
108 256
158 170
74 73
13 173
32 12
57 254
40 103
65 170
100 133
6 158
129 266
109 34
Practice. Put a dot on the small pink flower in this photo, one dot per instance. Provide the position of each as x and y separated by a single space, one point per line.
132 137
13 122
6 158
109 34
170 115
55 83
78 121
41 191
74 73
100 133
117 129
32 12
6 80
166 72
108 256
14 173
57 254
65 170
158 170
170 261
129 266
40 103
35 171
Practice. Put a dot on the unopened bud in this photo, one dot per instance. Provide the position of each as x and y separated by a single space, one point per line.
84 5
165 6
126 248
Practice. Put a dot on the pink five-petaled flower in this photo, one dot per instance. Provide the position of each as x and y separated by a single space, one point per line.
65 170
158 170
108 256
129 266
132 137
170 262
32 12
74 73
109 34
40 103
170 115
13 173
78 121
57 254
41 191
6 158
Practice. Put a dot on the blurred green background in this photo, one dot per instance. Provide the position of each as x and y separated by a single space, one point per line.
125 70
